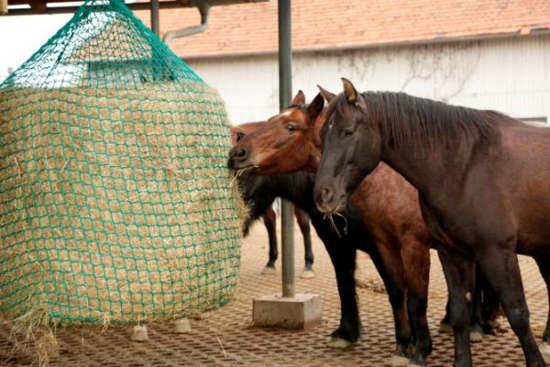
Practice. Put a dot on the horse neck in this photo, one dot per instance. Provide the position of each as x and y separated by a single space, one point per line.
429 143
296 187
414 168
431 170
260 191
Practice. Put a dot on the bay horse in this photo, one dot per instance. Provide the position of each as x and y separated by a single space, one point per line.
270 217
389 207
483 180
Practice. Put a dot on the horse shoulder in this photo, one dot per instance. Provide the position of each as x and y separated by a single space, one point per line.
389 203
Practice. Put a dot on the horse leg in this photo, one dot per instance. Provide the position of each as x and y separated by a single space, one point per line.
416 265
478 325
544 267
303 221
489 304
445 323
476 331
389 264
501 267
459 274
343 259
270 222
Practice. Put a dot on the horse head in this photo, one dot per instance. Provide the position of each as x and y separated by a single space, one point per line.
283 144
352 148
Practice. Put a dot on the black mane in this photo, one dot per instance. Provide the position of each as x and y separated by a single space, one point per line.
408 122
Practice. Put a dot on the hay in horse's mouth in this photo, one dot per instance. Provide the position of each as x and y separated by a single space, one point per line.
240 171
334 226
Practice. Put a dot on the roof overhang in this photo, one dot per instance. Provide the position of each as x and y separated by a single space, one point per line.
29 7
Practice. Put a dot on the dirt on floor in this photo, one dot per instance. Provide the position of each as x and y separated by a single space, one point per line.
226 337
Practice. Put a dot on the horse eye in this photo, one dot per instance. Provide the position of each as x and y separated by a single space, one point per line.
290 127
348 132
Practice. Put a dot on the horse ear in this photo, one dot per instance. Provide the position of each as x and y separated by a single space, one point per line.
326 94
315 107
240 135
299 98
350 91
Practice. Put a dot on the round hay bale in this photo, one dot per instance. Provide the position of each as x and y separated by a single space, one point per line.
115 202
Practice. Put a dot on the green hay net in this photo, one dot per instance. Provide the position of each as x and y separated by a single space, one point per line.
115 203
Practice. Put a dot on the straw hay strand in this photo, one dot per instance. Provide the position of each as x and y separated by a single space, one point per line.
34 329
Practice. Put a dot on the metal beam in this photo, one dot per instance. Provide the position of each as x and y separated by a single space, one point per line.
285 97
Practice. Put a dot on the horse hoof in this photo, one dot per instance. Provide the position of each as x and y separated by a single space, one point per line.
338 343
269 270
476 336
396 361
307 274
445 328
545 351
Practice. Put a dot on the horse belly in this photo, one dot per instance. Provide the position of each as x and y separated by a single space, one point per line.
534 229
535 240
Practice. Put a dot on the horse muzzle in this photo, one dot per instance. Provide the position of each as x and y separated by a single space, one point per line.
328 199
238 157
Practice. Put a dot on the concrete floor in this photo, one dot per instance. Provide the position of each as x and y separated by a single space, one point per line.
225 337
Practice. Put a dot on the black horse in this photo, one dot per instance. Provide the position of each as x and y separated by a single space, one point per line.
260 191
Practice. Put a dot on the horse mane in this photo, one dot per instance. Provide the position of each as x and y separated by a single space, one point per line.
408 122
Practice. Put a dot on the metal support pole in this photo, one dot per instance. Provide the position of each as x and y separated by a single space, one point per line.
155 17
285 97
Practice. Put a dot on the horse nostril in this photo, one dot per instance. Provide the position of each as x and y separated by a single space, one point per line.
240 153
326 194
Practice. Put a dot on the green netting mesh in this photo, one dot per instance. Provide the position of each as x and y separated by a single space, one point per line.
115 203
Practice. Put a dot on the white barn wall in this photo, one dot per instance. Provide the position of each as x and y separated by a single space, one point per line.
249 86
509 75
